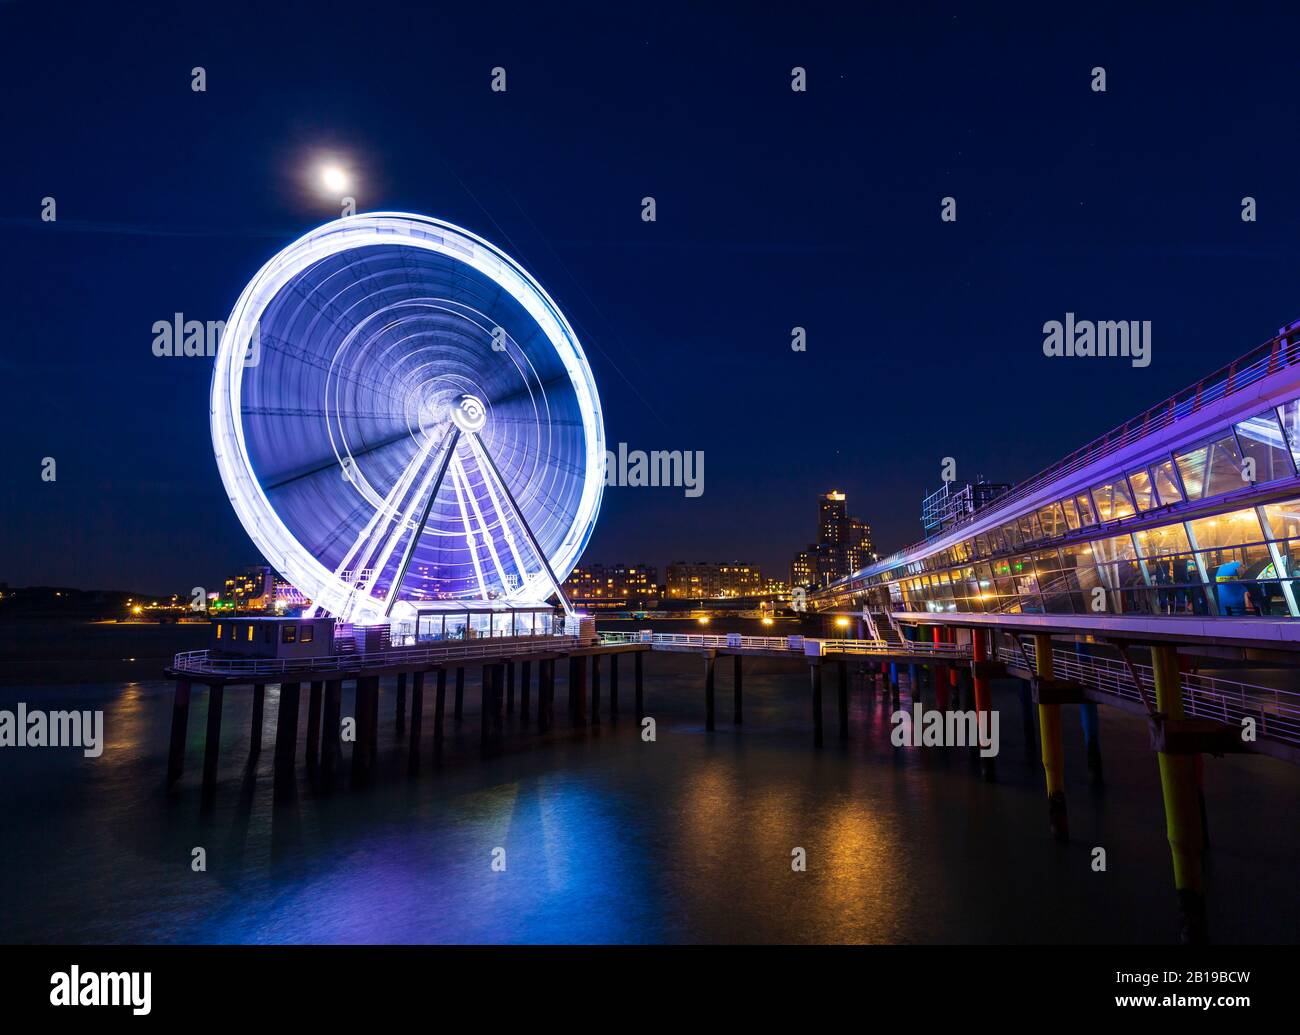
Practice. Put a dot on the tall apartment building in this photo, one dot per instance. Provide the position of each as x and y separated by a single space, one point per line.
843 545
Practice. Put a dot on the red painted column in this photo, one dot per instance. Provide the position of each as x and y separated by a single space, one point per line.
983 691
941 680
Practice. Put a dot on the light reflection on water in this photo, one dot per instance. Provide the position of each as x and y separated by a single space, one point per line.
610 839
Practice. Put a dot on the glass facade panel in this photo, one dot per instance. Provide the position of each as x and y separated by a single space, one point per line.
1057 587
1289 415
1191 466
1051 520
1071 510
1261 441
1166 480
1029 531
1113 500
1025 585
1086 515
1167 539
1241 526
1245 580
1282 520
1078 560
1144 493
1121 575
1211 470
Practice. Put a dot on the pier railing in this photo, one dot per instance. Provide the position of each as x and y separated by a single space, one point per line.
1276 712
796 645
199 662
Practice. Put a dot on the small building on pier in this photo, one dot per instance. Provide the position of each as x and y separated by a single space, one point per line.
434 621
271 637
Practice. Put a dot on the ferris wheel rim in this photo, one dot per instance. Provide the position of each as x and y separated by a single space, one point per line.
260 517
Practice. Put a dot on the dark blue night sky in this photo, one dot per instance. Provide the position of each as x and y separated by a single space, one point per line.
775 209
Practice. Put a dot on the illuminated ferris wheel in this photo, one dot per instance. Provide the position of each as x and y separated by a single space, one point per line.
402 414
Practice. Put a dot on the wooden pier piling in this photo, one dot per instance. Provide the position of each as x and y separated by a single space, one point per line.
180 721
313 725
255 727
737 685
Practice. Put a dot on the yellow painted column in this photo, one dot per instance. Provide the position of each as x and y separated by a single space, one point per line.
1182 809
1049 726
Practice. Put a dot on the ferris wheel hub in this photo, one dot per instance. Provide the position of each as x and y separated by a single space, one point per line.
468 413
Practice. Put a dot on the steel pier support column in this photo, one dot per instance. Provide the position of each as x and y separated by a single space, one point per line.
510 688
737 687
613 685
913 675
458 707
640 696
180 720
1027 721
1049 724
439 705
488 706
367 700
401 703
1182 810
843 693
595 688
710 663
286 727
1092 740
212 743
545 693
259 710
331 752
983 694
817 703
313 725
417 720
525 680
498 697
578 690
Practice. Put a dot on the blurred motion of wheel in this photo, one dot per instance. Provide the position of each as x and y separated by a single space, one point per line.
401 413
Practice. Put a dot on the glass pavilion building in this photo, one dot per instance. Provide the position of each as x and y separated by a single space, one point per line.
1189 510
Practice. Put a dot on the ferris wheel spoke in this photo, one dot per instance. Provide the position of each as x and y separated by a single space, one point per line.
367 541
407 517
506 531
484 527
469 531
528 391
332 462
559 589
288 411
429 494
300 355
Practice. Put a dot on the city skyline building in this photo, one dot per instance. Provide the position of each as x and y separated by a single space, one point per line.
843 546
713 581
612 585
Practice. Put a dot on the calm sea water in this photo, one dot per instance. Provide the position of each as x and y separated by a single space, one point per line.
611 839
